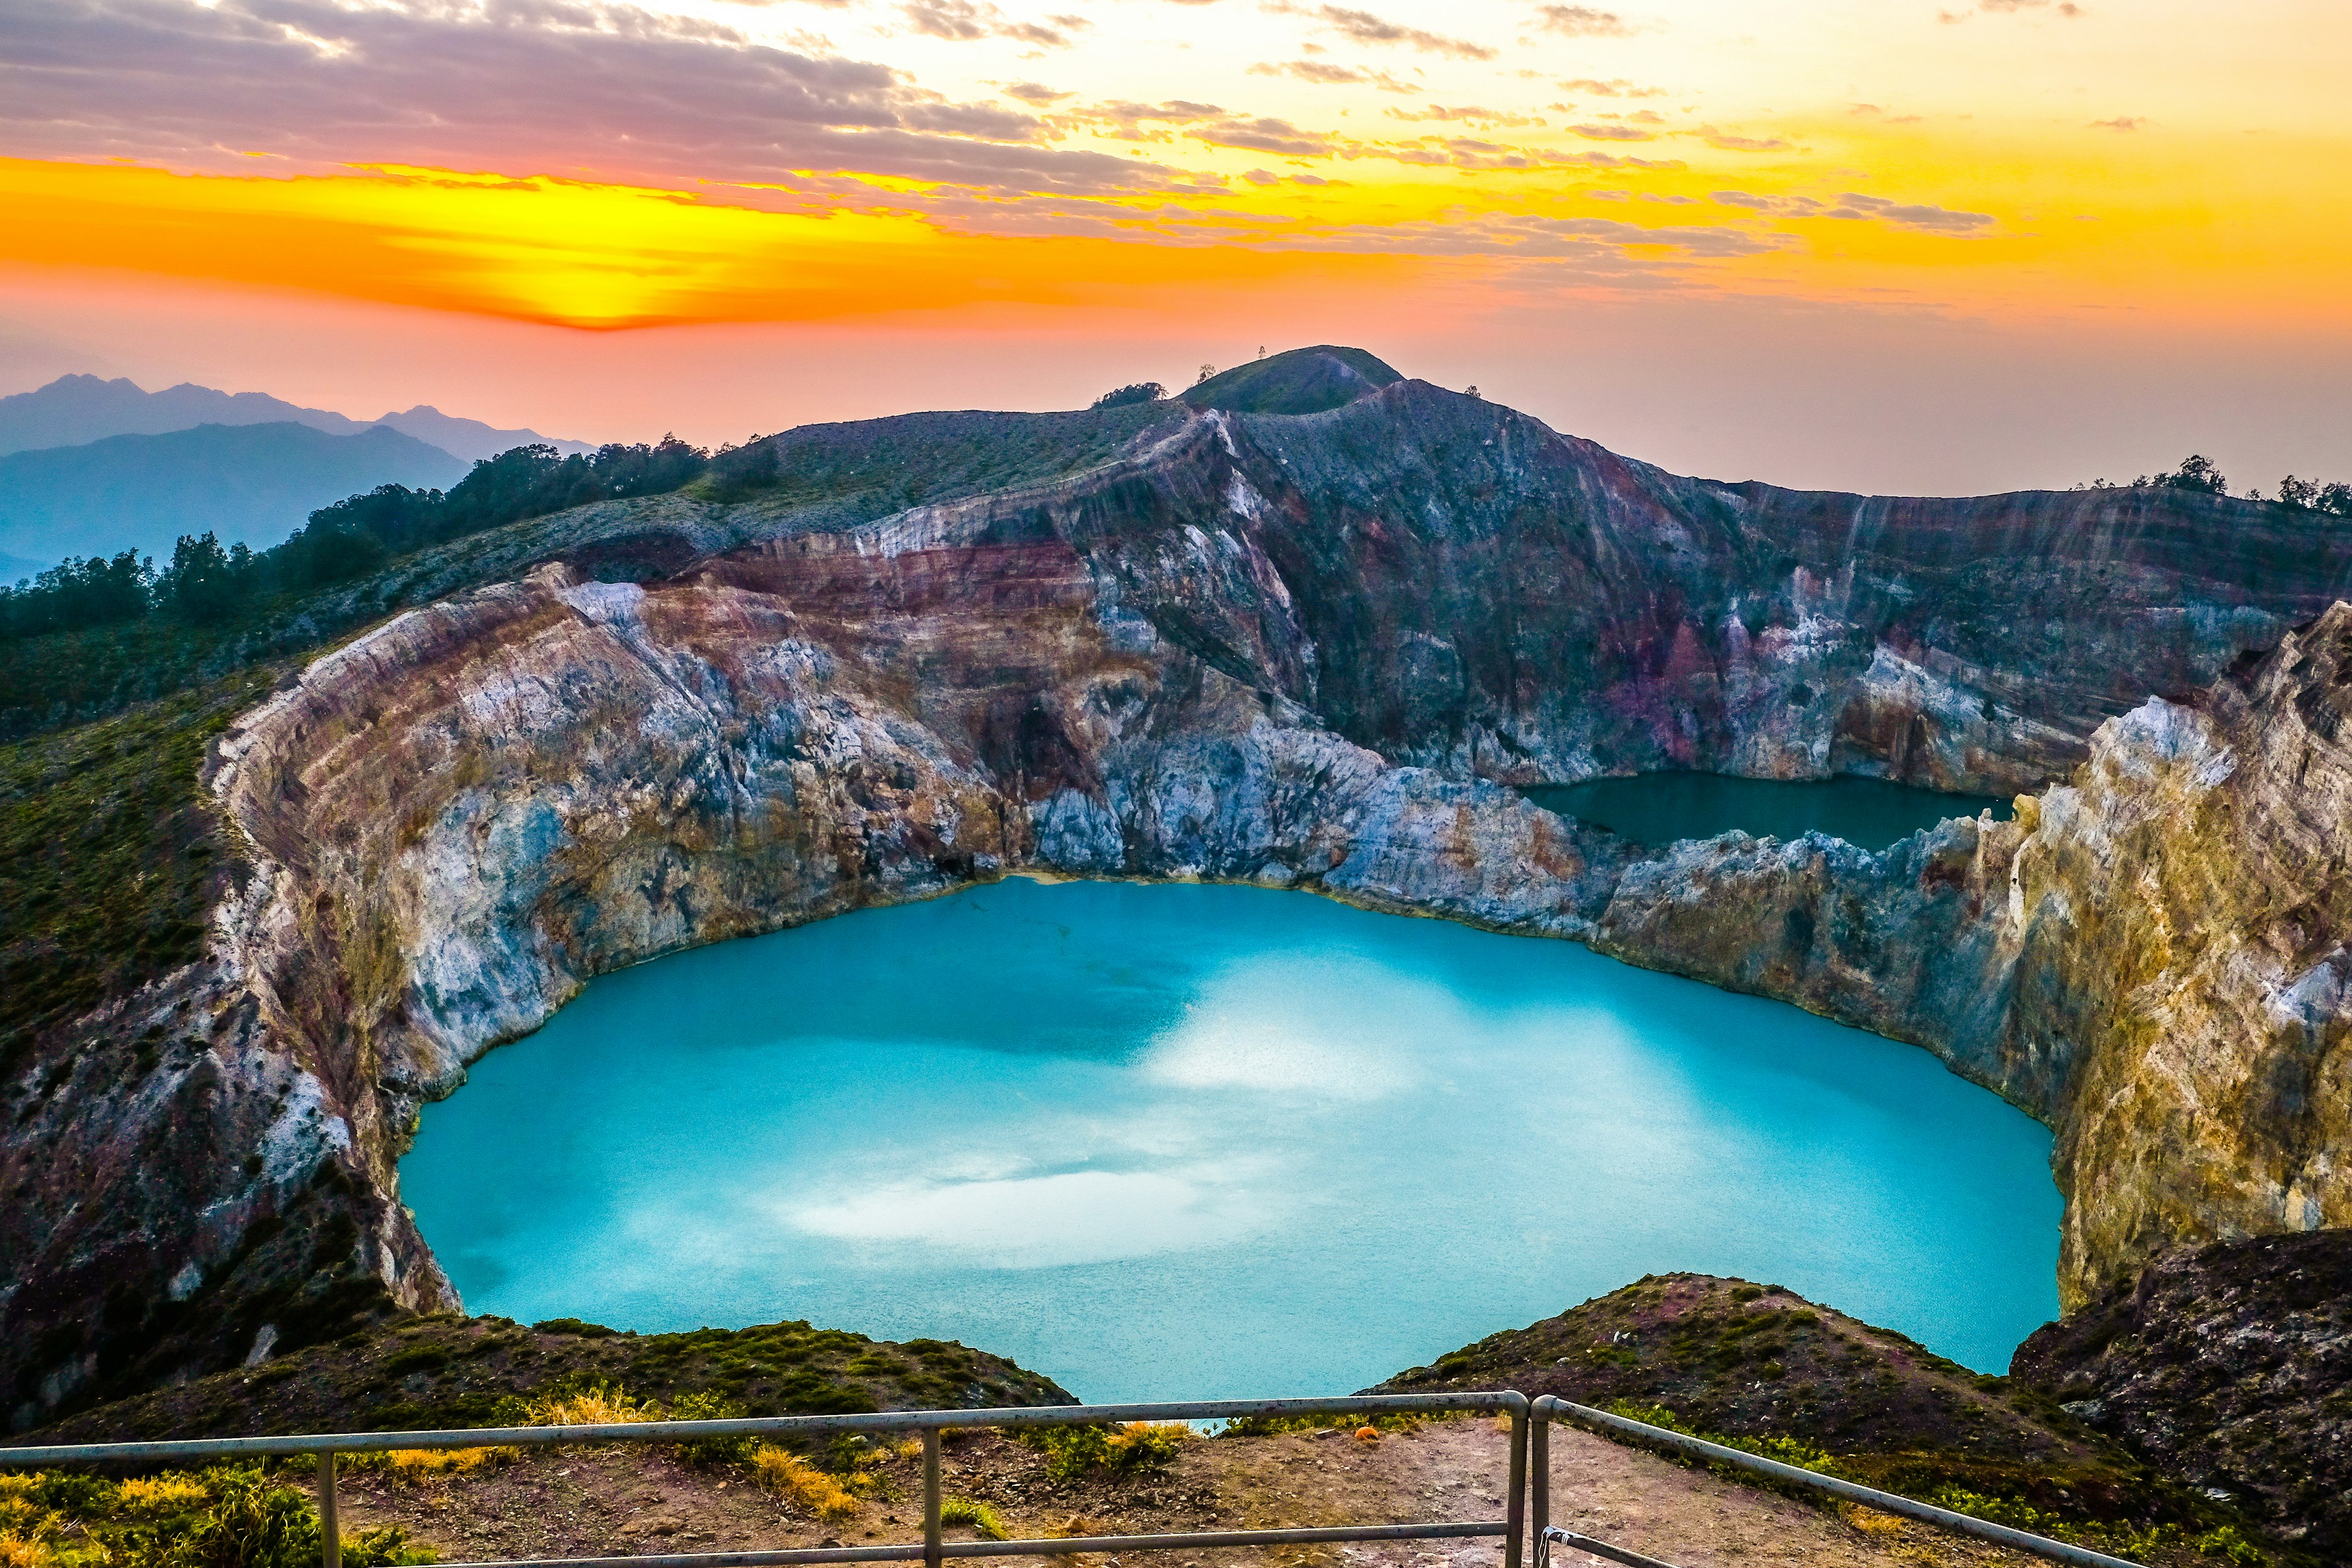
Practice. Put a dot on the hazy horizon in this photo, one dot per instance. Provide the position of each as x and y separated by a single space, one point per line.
1954 247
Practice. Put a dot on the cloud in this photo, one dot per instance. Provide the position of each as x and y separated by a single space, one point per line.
519 86
1324 74
1364 27
1264 135
1607 246
1746 144
1468 112
2121 122
1035 94
1614 133
1851 205
965 20
2001 7
1581 22
1617 87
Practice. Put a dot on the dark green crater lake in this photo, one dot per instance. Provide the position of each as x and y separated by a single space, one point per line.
1662 808
1164 1141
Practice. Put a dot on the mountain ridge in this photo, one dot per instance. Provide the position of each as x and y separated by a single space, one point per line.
76 410
253 484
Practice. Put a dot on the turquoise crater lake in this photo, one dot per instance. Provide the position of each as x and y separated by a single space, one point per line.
1169 1142
1659 808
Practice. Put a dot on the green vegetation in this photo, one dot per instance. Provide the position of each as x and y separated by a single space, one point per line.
1135 392
882 466
1131 1449
2019 1496
206 585
109 855
452 1372
226 1516
1298 381
2200 475
978 1517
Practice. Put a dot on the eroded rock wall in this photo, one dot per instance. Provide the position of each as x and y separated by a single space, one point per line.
2151 957
1288 651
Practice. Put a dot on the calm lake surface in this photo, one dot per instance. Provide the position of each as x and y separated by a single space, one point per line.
1659 808
1182 1141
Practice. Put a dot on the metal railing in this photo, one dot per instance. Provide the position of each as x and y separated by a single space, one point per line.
932 1548
1527 1511
1550 1407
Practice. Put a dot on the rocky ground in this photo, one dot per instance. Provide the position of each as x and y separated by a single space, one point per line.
2231 1367
1737 1361
623 1501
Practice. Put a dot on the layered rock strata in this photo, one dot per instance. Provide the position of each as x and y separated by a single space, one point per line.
1294 651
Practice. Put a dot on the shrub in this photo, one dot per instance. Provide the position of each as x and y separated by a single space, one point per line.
1135 392
786 1473
586 1404
982 1520
702 1407
158 1497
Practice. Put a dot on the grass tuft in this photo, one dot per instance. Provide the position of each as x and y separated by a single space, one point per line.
978 1517
788 1475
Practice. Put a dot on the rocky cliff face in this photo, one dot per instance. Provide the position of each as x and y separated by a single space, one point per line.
1298 651
2151 957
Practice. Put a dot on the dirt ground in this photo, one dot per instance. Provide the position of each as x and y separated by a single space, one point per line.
630 1501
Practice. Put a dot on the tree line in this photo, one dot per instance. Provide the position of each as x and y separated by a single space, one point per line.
2202 475
206 582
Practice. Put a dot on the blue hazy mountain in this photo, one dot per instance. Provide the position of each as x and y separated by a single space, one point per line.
254 483
76 410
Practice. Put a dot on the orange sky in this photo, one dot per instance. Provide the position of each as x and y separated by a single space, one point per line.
1908 212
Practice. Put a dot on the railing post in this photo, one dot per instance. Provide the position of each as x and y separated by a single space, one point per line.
1539 1471
931 1553
1515 1515
331 1540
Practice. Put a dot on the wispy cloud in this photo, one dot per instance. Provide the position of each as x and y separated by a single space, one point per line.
1581 22
1465 113
1364 27
1617 87
2066 8
1323 73
2121 122
965 20
1853 206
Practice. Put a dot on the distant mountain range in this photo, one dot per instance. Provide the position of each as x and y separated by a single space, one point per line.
74 409
252 483
93 466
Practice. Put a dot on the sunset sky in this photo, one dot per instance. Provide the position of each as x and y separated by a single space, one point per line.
1875 244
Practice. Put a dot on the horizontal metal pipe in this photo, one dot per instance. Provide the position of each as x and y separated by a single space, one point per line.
754 1426
1060 1546
1556 1536
1551 1405
1213 1537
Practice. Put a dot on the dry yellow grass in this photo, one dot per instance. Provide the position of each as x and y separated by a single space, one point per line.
158 1496
599 1406
788 1474
16 1552
911 1448
1869 1521
18 1484
417 1464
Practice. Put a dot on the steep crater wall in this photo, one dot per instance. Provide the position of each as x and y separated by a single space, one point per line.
1294 651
